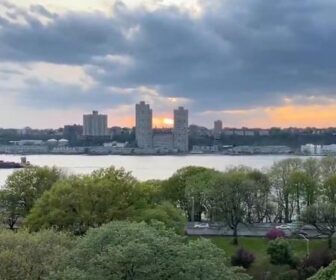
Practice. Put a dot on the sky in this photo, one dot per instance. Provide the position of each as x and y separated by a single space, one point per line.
252 63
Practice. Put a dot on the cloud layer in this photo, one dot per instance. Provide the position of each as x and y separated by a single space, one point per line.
231 55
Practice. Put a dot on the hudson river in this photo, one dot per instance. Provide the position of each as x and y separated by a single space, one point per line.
142 167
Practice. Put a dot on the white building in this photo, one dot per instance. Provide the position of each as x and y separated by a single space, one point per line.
311 149
328 149
180 131
144 125
95 124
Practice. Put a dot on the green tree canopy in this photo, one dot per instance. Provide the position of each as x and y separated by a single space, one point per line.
80 202
166 213
31 256
23 188
123 250
174 188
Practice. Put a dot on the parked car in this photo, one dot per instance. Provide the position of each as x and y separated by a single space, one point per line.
283 226
201 225
294 226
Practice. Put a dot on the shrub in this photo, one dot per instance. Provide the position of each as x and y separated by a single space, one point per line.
319 258
327 273
275 233
288 275
280 252
242 258
316 260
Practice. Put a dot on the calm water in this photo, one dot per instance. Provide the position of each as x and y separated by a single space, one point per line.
142 167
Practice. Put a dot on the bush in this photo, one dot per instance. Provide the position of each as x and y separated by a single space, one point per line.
316 260
280 252
242 258
319 258
288 275
275 233
327 273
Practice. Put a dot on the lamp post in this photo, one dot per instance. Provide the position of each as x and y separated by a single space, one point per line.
193 209
307 242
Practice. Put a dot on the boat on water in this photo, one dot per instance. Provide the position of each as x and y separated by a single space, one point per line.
14 165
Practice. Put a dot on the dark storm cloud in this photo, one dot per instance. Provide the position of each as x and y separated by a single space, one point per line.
238 54
51 95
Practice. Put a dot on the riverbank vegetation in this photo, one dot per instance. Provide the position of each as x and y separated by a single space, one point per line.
147 221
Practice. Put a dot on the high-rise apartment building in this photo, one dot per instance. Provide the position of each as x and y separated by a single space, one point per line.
180 131
218 127
95 124
143 130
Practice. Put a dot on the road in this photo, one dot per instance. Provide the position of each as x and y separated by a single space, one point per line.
257 230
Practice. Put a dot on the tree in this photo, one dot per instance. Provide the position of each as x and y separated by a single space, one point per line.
31 256
80 202
22 189
123 250
302 188
328 166
322 214
279 175
258 206
198 194
230 192
329 189
323 217
173 189
166 213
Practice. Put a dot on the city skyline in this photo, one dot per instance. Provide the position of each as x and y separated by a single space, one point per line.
250 64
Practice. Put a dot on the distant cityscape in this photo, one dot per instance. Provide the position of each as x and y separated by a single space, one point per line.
94 136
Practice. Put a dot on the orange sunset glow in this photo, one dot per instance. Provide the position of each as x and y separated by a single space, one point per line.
163 122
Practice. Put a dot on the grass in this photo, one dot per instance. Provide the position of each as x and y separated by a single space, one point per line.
259 245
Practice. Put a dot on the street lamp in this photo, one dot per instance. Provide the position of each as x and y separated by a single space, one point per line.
307 242
193 209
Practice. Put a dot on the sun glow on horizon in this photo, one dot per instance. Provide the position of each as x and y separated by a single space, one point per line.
163 122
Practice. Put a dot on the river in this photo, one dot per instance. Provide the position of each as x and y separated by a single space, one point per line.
142 167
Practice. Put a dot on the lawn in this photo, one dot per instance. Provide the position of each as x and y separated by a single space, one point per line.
258 246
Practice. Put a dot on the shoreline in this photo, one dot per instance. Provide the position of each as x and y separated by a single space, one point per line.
162 155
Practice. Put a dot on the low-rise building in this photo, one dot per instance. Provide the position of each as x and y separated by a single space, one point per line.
163 141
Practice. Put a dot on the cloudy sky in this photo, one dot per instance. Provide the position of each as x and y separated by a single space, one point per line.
250 63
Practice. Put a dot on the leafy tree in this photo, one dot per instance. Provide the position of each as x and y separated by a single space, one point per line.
80 202
230 192
280 175
173 189
22 189
123 250
303 189
323 217
280 252
198 194
328 166
312 167
31 256
329 189
258 207
166 213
